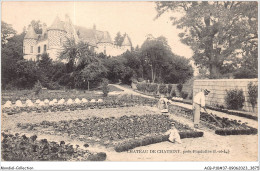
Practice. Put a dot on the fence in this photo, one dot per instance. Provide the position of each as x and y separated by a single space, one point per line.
218 90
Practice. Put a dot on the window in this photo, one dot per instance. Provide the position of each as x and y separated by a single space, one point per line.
45 48
23 49
31 49
39 49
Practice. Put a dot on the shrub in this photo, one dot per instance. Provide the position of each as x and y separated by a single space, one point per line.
162 89
105 87
184 94
191 96
37 87
151 87
234 99
173 93
179 87
97 157
140 79
169 88
141 86
252 92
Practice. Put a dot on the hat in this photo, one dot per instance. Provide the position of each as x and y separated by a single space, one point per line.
206 91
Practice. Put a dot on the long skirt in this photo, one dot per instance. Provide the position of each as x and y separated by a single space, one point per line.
196 113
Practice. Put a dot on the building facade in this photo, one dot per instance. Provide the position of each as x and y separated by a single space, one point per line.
53 39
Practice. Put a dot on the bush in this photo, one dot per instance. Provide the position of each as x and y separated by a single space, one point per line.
184 94
234 99
105 87
252 92
179 87
173 93
141 87
162 89
152 88
169 88
97 157
37 87
191 96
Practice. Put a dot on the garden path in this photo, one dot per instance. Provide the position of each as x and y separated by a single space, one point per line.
250 122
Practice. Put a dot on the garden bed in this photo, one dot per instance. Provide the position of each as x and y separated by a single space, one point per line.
23 148
109 102
112 131
236 113
229 127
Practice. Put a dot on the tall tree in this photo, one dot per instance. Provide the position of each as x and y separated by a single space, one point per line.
156 53
216 31
7 31
119 39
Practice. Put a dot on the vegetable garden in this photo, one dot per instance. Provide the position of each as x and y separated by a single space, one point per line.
116 132
23 148
227 127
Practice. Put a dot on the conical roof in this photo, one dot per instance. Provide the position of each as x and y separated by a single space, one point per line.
57 25
31 33
127 41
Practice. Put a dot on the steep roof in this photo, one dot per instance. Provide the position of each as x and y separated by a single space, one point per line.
127 41
105 38
92 36
57 25
31 33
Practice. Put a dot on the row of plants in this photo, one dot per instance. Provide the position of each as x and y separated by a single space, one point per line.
113 102
165 89
221 109
131 144
113 129
227 125
23 148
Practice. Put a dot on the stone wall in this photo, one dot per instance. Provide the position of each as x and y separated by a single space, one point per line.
218 89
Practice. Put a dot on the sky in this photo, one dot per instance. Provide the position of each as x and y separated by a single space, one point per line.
134 18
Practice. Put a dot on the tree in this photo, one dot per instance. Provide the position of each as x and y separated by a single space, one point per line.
155 55
93 72
216 31
11 53
7 31
37 25
119 39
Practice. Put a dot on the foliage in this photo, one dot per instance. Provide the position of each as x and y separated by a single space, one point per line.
234 99
105 87
151 87
37 87
163 89
141 87
217 32
169 88
184 94
7 32
173 93
253 94
179 87
23 148
119 39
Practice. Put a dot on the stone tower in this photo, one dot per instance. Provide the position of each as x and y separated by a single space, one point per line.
29 44
56 38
